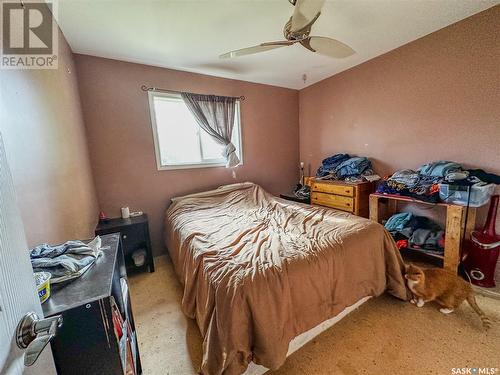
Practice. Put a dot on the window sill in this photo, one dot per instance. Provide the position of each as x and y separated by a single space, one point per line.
193 166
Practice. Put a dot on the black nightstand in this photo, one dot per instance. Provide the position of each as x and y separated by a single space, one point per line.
134 233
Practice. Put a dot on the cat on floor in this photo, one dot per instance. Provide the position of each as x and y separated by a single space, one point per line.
443 287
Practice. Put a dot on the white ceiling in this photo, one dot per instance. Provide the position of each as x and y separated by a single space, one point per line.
191 34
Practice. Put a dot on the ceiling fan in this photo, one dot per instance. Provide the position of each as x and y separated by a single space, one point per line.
297 30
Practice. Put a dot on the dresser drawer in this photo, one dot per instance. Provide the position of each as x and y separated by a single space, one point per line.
347 191
334 201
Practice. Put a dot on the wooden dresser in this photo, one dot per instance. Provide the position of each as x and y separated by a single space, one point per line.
344 196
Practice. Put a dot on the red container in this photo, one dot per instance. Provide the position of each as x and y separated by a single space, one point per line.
483 249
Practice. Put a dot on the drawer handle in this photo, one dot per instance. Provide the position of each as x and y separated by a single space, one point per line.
124 236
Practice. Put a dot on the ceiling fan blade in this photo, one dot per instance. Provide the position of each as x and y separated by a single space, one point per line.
330 47
255 49
305 11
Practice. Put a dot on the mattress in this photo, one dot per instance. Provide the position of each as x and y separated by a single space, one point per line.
302 339
258 271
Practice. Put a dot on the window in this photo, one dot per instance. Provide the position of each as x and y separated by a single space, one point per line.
179 141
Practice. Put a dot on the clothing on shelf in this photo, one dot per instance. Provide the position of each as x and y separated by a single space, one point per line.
407 178
398 221
457 176
345 167
329 165
417 232
426 193
423 184
402 244
427 239
354 179
371 177
417 222
439 168
67 261
489 178
354 166
426 185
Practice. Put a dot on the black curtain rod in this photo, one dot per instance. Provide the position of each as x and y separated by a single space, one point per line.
146 88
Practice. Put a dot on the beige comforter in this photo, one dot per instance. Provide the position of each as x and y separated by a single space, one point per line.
258 270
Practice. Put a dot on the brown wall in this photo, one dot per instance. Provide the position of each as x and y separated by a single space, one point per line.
121 142
44 135
436 98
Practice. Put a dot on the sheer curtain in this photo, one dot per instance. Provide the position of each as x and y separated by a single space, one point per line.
215 115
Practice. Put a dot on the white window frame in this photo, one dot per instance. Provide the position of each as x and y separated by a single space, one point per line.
203 164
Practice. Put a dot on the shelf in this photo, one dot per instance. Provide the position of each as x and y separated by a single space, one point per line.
424 252
460 222
403 198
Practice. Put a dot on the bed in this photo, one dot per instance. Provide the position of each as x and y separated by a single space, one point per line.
257 271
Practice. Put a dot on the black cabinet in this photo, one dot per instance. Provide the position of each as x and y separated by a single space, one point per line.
93 307
134 233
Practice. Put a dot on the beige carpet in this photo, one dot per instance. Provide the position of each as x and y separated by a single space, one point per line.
383 336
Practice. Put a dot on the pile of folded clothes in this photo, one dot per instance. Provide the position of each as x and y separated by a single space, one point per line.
423 184
346 167
416 232
67 261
